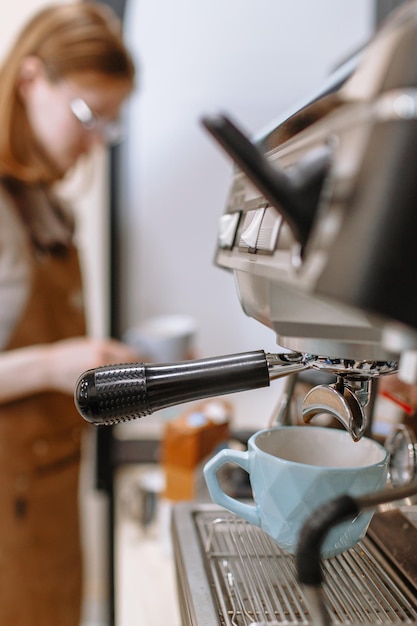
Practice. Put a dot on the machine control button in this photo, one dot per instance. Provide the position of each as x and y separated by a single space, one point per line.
251 227
269 230
227 229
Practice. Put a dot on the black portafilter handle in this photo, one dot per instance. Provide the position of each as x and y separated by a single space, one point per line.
118 393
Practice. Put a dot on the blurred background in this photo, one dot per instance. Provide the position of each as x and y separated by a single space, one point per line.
148 212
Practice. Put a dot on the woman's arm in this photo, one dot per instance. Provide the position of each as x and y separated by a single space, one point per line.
57 366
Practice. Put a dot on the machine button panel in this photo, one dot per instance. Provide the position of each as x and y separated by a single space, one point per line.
258 231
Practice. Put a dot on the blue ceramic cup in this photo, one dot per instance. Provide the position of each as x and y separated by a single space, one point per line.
295 469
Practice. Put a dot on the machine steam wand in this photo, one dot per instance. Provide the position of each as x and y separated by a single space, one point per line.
317 527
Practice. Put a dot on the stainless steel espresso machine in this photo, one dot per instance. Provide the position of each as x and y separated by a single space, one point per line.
320 232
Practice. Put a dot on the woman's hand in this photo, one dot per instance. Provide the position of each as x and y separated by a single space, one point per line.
68 359
56 366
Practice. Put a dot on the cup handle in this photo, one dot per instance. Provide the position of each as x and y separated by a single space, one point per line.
246 511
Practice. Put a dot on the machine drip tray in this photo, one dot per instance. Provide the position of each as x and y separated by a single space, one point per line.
230 573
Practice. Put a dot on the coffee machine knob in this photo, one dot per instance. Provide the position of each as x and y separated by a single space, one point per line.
402 447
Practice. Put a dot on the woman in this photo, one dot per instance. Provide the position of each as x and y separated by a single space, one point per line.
61 89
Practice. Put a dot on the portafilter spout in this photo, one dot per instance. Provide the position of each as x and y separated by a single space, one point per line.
118 393
346 399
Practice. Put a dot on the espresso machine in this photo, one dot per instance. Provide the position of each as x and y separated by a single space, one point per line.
320 232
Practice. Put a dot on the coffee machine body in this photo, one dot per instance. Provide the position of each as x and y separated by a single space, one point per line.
322 243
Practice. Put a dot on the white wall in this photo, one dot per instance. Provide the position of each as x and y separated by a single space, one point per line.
254 59
13 15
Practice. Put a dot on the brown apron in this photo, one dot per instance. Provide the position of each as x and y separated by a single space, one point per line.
40 552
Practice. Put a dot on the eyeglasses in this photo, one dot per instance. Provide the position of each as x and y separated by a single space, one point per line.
110 131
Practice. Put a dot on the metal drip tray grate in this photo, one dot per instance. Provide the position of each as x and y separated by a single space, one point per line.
251 581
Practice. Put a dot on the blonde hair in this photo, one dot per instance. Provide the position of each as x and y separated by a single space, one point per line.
70 39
